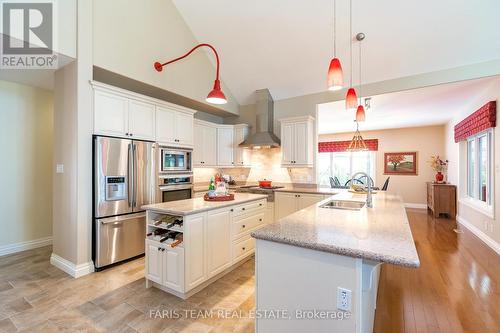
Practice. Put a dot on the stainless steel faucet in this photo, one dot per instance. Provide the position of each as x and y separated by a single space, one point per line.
369 202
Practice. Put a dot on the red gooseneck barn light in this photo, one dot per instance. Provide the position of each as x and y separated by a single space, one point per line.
216 96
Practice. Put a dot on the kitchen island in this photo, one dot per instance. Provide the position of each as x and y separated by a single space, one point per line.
331 260
210 239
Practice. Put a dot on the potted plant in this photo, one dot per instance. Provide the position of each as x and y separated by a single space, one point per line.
438 165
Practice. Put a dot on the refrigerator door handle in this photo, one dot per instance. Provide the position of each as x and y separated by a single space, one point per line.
130 180
134 173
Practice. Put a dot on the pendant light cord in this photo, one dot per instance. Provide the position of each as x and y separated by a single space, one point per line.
359 72
334 28
350 37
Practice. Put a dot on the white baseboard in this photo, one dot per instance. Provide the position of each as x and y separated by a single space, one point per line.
415 205
480 234
23 246
67 266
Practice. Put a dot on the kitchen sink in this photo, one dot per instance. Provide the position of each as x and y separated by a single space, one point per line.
344 204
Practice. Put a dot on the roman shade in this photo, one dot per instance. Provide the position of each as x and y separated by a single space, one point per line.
479 121
341 146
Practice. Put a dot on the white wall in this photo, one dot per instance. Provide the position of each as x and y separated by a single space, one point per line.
129 36
455 152
26 136
426 141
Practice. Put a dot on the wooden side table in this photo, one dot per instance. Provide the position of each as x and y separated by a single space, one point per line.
442 199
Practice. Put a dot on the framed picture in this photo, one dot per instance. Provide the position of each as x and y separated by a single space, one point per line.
404 163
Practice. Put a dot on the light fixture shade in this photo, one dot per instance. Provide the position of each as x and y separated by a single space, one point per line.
351 99
216 96
360 114
335 79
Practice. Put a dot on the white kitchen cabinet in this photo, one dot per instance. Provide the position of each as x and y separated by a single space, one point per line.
218 241
165 265
141 120
110 114
288 203
269 213
297 142
174 127
194 240
225 146
153 267
205 144
242 156
173 268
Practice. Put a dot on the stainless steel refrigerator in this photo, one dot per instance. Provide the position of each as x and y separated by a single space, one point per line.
123 182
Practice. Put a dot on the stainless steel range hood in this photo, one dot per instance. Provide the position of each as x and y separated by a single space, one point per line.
264 136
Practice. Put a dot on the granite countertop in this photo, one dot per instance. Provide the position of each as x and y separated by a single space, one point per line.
198 205
313 189
381 233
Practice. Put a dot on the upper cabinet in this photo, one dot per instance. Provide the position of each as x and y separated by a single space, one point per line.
216 145
174 128
121 113
297 142
205 144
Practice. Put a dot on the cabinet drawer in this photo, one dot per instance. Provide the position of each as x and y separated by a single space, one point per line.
243 248
244 226
249 208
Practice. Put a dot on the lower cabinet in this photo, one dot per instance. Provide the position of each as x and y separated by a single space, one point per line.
194 242
165 265
288 203
218 241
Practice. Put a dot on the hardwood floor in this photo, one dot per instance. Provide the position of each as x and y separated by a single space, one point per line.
456 289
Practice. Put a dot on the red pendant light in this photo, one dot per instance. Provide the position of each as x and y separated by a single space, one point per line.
351 99
360 114
335 77
216 96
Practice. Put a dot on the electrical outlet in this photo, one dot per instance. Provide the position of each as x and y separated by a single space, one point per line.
344 299
59 168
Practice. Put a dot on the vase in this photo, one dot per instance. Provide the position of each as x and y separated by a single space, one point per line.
439 177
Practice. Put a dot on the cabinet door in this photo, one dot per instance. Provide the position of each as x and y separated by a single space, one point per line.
287 144
173 268
225 147
165 125
286 204
199 145
301 145
184 127
194 239
141 120
218 241
241 155
306 200
210 146
154 263
269 215
110 114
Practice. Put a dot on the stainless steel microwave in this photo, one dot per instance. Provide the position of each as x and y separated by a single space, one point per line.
174 160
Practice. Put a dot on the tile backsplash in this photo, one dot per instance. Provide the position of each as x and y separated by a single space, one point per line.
266 164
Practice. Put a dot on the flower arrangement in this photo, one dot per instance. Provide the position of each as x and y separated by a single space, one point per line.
437 164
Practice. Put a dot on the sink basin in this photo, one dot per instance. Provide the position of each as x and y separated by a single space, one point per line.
343 204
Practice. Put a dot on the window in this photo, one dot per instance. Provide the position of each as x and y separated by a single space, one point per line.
480 168
344 164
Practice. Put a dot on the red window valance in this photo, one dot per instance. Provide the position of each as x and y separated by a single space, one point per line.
479 121
340 146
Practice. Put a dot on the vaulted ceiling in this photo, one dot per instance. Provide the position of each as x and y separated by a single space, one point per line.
286 45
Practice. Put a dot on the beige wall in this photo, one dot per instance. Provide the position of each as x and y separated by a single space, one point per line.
456 155
26 127
130 35
426 141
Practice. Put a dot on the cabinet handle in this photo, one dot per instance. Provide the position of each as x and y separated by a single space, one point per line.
126 134
260 204
243 248
243 208
243 226
163 250
232 210
260 220
159 248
